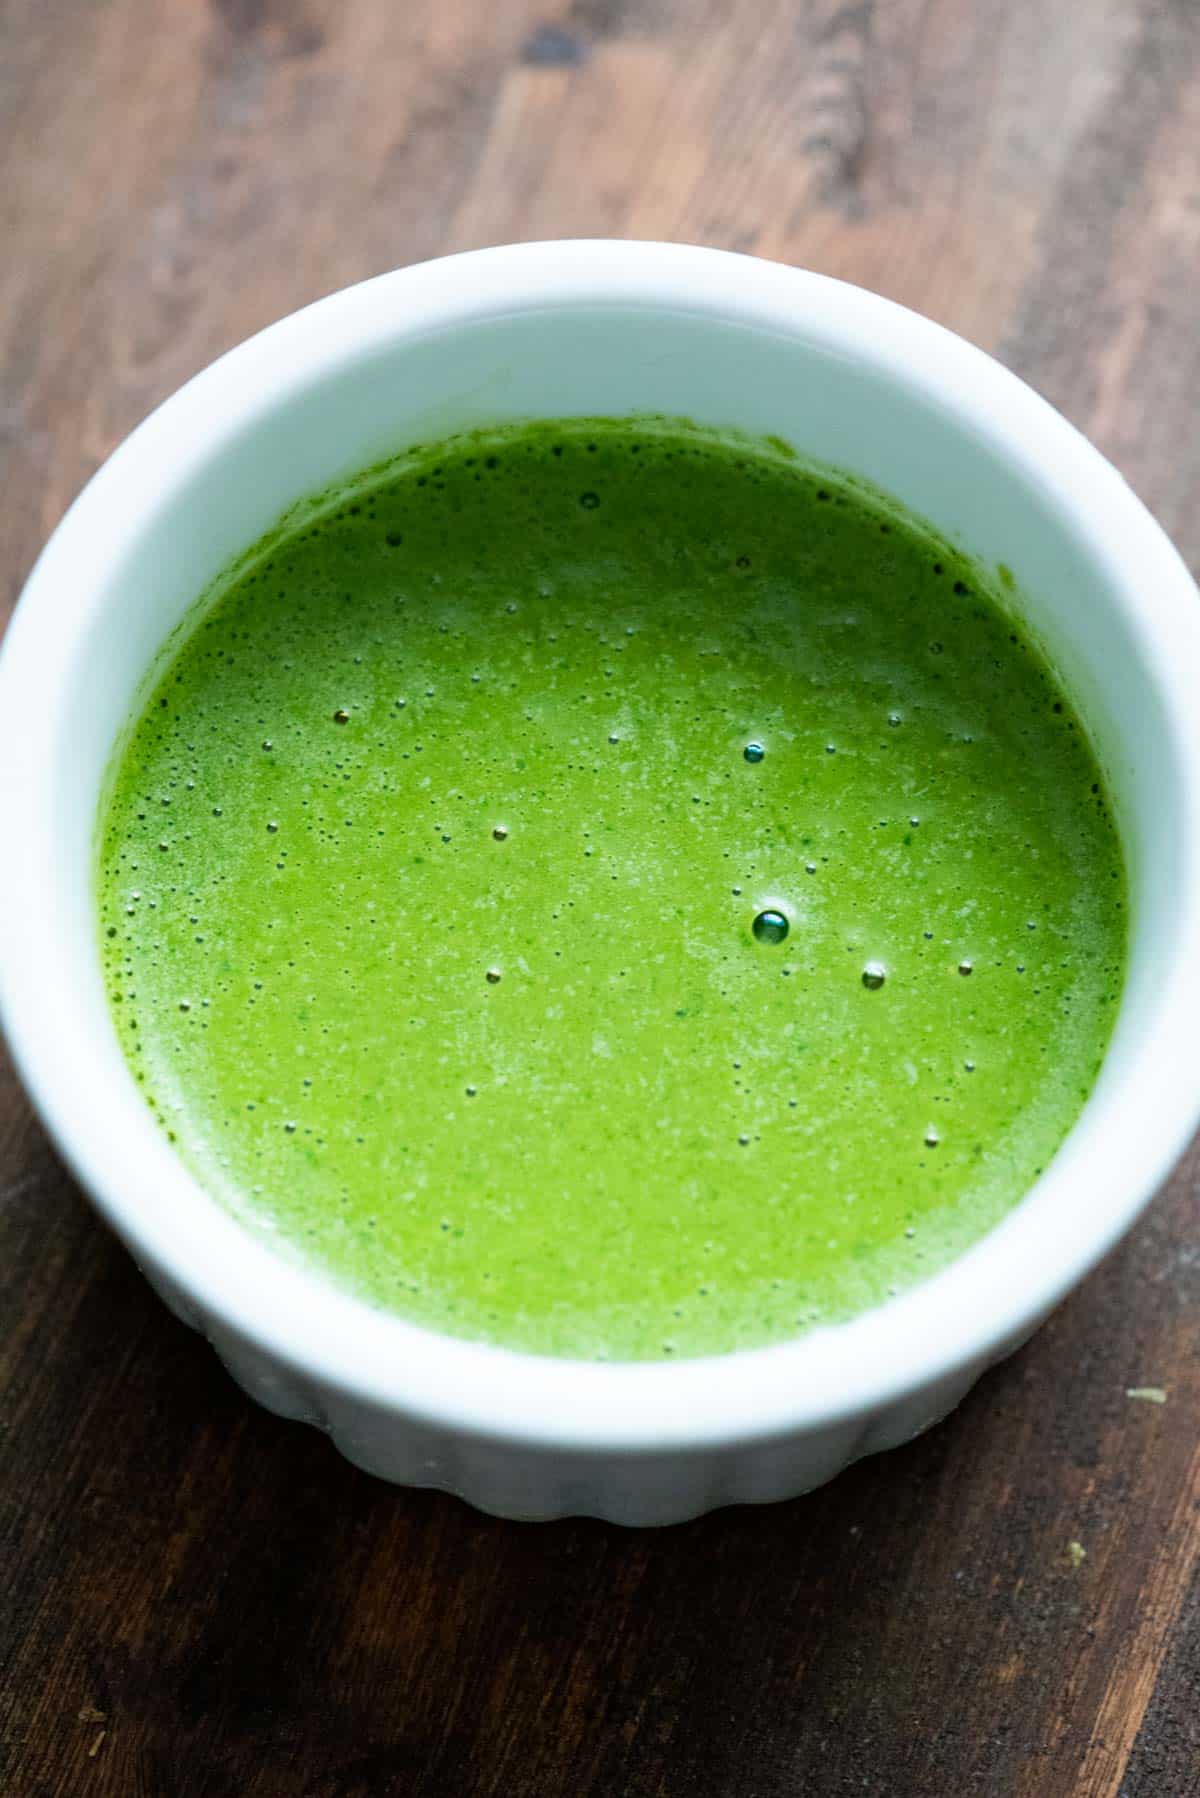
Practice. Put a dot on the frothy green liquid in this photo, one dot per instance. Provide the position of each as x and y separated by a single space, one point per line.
437 882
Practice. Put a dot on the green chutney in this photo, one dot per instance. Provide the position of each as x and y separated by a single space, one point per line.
612 891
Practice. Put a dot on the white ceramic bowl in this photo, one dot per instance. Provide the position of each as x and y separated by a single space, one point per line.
555 329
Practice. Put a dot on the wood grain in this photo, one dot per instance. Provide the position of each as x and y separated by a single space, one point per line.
197 1600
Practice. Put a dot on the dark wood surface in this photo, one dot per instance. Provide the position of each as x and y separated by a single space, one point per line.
198 1600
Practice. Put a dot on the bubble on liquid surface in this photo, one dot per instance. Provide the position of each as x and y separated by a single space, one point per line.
874 975
753 752
770 926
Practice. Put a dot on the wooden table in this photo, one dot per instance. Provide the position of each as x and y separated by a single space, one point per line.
198 1600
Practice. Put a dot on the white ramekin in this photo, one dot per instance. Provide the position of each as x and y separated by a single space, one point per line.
586 328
